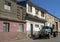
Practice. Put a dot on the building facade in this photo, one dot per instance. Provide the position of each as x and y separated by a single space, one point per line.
12 22
21 19
59 26
52 21
35 17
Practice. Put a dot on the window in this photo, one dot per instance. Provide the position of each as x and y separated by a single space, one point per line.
36 12
42 26
42 13
6 27
29 8
21 28
36 25
7 5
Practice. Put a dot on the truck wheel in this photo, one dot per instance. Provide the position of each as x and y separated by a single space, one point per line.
49 36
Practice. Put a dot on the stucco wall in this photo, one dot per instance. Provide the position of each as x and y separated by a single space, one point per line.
34 12
50 20
1 27
13 32
35 29
58 26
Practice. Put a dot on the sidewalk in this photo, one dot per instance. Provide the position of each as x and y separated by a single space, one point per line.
23 40
31 40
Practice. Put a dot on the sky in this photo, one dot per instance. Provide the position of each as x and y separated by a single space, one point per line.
52 6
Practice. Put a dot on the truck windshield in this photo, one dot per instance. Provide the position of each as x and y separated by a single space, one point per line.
46 27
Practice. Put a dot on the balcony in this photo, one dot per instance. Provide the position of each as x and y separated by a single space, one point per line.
34 18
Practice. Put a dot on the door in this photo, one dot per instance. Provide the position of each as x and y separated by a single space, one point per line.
31 29
57 27
53 26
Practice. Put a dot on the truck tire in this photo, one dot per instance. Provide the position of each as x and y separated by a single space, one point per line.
49 36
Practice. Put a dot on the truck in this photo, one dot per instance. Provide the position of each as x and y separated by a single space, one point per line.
45 32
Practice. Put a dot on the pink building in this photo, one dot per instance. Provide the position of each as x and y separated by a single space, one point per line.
12 29
12 23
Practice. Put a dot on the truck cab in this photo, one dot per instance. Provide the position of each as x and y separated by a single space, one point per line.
45 32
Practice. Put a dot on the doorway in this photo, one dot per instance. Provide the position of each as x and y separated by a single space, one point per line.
31 30
57 28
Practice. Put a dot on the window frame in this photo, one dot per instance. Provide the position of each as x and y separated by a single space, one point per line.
42 13
7 5
36 25
29 8
5 24
36 11
21 29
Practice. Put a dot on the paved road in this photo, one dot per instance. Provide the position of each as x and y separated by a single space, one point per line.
56 39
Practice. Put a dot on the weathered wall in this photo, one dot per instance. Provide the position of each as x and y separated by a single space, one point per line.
13 32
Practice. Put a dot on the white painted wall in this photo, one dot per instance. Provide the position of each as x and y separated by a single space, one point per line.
58 26
34 28
33 12
27 9
39 14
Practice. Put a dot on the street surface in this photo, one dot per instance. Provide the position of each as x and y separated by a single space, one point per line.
55 39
